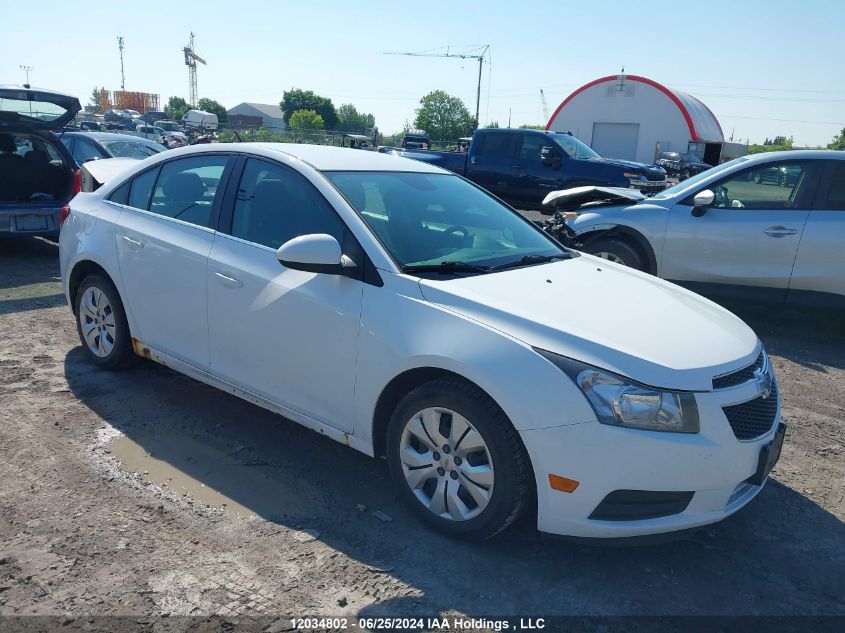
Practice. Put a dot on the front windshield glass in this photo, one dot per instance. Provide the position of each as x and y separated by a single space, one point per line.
429 219
694 180
133 149
573 147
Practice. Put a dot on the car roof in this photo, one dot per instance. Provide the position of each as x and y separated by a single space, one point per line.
795 154
320 157
108 136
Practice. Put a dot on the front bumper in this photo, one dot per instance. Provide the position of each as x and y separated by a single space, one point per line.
648 185
713 465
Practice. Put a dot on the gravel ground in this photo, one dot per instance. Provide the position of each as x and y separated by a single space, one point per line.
312 527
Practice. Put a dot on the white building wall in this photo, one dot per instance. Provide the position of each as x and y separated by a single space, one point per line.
660 119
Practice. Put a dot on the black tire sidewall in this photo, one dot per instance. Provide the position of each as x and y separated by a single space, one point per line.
621 249
121 353
507 499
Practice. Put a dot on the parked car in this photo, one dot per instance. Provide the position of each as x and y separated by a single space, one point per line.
38 176
783 175
402 310
169 126
681 165
725 232
152 117
151 133
521 166
85 146
415 139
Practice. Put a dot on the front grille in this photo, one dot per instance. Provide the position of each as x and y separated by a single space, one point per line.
738 377
753 418
655 175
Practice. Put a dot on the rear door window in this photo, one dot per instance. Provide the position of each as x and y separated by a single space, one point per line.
188 188
836 197
141 189
496 144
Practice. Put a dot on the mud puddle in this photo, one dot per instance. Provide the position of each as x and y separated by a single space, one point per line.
227 477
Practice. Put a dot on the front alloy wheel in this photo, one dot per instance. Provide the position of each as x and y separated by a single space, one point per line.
457 460
446 464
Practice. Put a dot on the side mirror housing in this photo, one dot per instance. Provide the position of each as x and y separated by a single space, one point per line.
314 253
550 157
702 200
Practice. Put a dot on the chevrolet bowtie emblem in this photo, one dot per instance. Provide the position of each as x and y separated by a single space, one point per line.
764 383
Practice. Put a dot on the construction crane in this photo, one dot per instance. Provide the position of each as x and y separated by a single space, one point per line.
545 105
480 57
191 59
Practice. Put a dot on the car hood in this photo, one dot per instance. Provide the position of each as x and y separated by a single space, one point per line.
606 315
625 164
37 108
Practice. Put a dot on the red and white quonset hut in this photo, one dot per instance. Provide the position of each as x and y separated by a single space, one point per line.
631 117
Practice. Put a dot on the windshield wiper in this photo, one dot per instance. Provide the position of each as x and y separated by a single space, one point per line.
445 268
528 260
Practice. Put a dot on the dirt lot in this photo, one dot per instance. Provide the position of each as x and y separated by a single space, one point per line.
106 481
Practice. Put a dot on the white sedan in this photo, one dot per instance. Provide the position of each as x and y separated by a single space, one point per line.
402 310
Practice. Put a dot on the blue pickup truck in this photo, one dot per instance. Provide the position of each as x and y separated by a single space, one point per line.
522 166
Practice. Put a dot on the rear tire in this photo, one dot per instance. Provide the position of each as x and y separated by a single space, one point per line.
457 461
618 251
101 323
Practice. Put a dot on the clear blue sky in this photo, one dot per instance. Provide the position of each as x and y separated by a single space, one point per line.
764 67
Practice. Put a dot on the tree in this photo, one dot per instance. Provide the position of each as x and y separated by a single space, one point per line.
530 126
96 99
444 117
176 107
296 99
776 144
838 142
306 120
210 105
350 120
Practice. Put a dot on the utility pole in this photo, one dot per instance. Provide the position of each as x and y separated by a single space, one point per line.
480 57
27 70
122 76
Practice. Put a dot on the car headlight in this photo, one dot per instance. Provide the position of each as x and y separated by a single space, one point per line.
620 401
633 176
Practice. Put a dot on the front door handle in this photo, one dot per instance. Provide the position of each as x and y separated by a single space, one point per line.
229 281
779 231
135 245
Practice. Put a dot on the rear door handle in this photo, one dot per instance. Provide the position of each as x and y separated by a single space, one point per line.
518 166
135 245
229 281
779 231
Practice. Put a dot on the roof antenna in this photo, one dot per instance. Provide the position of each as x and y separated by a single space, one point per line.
622 72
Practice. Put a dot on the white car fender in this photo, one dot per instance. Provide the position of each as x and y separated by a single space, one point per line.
507 369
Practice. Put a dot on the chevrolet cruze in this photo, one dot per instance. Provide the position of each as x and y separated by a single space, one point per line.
404 311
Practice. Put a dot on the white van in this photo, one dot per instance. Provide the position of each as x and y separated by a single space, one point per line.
198 119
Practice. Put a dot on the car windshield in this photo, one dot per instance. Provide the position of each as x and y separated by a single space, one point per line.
573 147
133 149
694 180
442 220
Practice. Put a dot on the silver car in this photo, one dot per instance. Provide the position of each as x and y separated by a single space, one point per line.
728 231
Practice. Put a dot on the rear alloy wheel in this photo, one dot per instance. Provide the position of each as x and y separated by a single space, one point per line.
101 323
757 177
783 181
457 460
617 251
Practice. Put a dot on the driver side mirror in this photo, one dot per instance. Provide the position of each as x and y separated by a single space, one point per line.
314 253
550 157
702 200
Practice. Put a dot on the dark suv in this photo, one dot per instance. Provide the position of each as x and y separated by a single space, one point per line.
681 165
38 176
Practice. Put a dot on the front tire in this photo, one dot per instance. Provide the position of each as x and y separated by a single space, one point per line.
101 323
616 250
457 461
